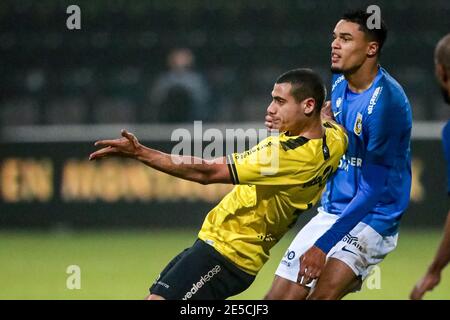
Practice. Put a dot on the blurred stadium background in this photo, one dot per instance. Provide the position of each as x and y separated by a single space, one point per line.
62 89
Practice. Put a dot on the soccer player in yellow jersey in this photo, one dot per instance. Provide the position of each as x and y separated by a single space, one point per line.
276 180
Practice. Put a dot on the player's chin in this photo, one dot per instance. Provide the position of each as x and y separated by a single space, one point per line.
336 69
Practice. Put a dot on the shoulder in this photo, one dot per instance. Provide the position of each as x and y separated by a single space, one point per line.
268 143
292 143
389 91
282 144
336 131
389 101
334 126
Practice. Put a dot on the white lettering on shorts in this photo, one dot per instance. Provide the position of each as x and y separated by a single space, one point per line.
203 280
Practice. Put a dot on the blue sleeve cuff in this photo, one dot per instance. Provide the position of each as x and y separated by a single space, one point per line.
327 241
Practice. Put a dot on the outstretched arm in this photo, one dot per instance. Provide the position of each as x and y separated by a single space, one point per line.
433 275
184 167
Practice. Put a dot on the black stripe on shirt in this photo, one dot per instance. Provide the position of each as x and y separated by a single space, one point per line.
329 125
293 143
325 150
232 169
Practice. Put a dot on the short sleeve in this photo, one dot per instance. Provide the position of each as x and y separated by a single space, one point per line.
267 163
385 127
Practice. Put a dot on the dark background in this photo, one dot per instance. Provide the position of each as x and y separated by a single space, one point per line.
166 208
103 73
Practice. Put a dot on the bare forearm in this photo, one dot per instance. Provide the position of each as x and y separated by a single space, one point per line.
188 168
443 255
184 167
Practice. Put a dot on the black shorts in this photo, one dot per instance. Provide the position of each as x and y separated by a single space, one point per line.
200 273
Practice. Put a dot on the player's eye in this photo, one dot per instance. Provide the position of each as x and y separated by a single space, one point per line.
275 100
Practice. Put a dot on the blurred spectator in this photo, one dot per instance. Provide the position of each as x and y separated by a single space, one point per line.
180 94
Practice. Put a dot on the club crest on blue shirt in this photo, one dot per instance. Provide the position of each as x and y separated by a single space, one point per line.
357 129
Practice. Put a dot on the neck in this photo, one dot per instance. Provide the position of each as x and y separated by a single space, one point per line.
312 129
362 78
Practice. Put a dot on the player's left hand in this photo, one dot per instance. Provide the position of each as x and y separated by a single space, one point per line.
127 146
311 265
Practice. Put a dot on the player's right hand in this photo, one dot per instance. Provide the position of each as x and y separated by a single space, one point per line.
326 113
269 122
312 263
427 283
272 122
127 146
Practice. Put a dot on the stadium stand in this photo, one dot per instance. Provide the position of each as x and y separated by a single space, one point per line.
52 75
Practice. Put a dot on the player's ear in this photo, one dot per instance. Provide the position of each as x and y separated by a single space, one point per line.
309 105
373 49
441 74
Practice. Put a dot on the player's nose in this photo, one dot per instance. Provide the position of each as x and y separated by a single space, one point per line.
335 43
271 109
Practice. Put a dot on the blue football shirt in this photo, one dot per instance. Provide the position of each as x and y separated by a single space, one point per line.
378 122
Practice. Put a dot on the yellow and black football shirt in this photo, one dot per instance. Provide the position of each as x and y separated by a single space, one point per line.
276 180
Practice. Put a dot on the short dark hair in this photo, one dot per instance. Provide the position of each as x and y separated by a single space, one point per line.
376 34
305 84
442 52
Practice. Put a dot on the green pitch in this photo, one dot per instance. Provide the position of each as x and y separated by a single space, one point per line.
122 265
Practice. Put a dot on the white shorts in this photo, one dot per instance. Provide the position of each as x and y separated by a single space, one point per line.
361 249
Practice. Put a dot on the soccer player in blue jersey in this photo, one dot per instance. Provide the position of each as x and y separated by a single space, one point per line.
357 223
433 275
